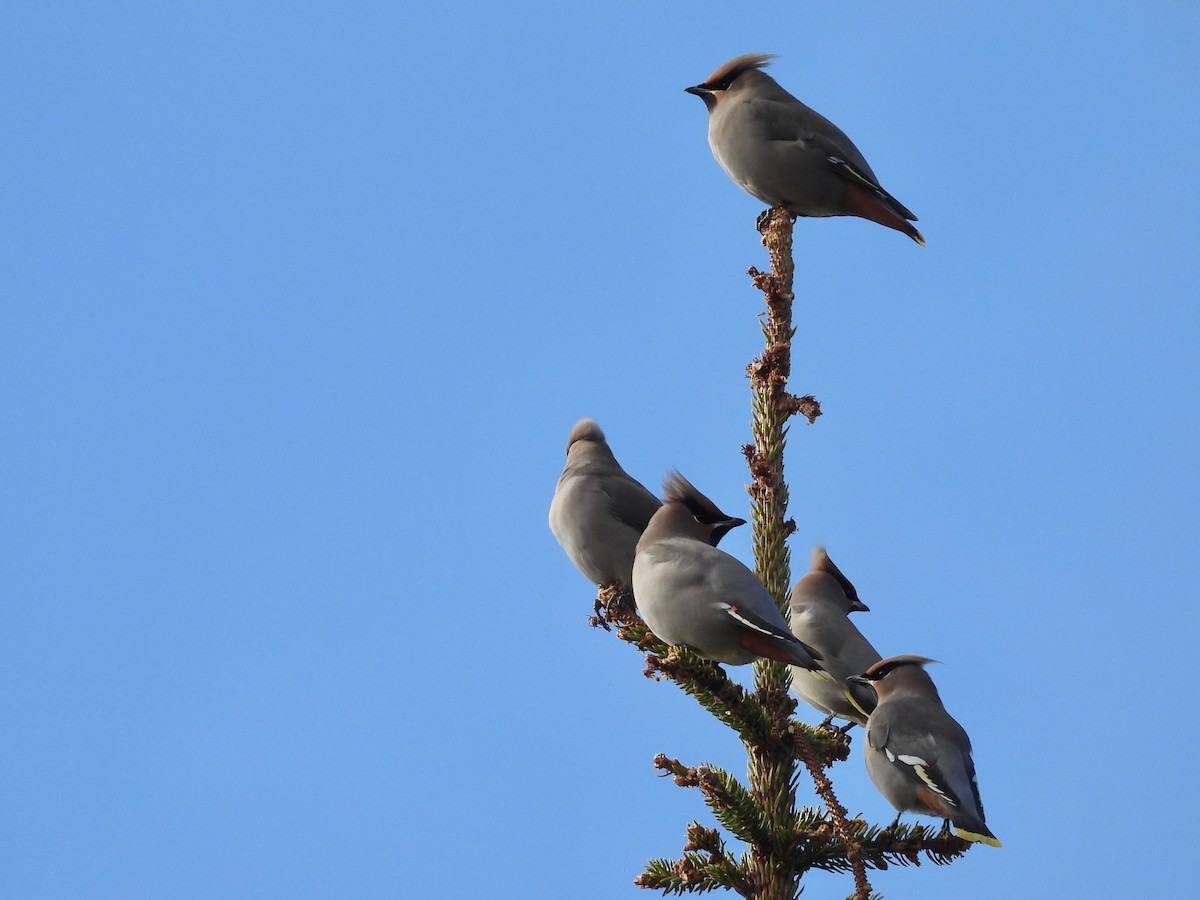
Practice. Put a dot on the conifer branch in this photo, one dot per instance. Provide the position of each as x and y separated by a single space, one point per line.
837 815
731 803
772 771
902 845
783 842
694 873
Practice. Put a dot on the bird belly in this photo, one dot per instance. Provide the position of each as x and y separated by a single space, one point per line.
742 176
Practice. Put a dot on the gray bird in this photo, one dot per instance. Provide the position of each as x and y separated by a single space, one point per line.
786 154
693 594
917 755
599 511
820 604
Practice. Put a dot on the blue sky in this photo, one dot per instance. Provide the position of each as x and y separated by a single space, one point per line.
301 301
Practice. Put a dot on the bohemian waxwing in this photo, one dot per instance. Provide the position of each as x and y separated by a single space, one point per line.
820 604
598 511
917 755
693 594
786 154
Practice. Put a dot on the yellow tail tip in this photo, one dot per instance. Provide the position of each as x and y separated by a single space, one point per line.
977 838
856 704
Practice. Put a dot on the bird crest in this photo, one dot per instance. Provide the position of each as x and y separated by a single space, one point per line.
678 489
726 74
885 666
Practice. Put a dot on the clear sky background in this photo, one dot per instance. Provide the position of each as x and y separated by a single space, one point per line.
300 301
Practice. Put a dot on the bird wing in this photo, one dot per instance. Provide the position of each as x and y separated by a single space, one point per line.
941 770
844 650
631 503
749 619
741 596
814 133
763 638
914 751
739 589
855 175
811 132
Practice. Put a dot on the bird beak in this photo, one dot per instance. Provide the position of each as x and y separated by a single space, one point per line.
719 531
859 606
858 679
699 90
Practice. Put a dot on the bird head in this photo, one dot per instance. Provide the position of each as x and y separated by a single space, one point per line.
585 430
822 563
723 79
711 522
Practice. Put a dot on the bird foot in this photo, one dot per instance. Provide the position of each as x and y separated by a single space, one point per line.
613 607
843 730
764 218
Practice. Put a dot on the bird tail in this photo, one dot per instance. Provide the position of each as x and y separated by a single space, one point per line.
976 831
874 206
802 655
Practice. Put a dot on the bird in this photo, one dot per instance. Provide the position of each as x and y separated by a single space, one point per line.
599 511
918 756
692 594
820 605
787 154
